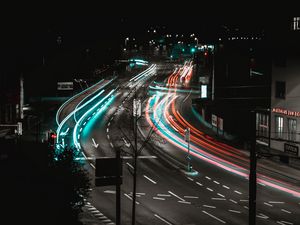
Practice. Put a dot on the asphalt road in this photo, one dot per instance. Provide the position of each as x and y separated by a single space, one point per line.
166 195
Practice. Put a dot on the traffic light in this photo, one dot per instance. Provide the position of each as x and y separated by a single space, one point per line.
52 138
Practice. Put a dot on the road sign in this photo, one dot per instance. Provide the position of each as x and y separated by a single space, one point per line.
137 108
107 167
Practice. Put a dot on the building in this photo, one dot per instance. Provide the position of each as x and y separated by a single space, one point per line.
285 96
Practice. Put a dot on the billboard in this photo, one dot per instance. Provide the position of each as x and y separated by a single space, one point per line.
65 86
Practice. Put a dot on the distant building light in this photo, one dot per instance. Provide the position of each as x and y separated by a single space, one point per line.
220 39
295 24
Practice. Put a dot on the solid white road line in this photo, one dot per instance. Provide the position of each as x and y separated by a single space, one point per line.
222 221
154 182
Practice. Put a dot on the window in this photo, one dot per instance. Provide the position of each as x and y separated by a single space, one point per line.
278 127
292 129
280 89
262 127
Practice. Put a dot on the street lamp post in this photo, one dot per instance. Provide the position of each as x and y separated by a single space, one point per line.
187 139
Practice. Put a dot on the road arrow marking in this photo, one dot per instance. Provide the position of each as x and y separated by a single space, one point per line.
94 143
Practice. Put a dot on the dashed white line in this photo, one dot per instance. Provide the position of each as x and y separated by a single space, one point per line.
208 178
154 182
261 184
162 219
109 192
199 184
163 195
218 199
235 202
246 207
209 206
285 222
128 164
107 130
223 196
262 216
238 192
273 202
92 165
224 186
216 182
234 211
244 200
222 221
191 179
188 196
111 144
108 137
209 189
158 198
185 202
108 124
176 196
268 204
283 210
131 199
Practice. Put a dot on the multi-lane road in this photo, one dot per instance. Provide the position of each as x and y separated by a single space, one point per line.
98 121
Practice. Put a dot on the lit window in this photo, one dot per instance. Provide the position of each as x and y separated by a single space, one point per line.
292 129
279 127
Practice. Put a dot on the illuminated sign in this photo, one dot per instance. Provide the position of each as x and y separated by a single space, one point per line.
64 85
286 112
203 91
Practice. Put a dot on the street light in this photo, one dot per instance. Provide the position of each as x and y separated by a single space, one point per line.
126 40
196 39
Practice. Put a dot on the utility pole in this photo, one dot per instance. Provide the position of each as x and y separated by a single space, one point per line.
118 187
137 111
187 139
252 175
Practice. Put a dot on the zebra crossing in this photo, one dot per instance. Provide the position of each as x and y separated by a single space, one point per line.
95 212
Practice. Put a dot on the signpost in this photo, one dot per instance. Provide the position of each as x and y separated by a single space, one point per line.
187 133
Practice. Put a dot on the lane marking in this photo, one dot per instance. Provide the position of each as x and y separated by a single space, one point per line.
222 221
202 185
191 179
268 204
107 130
154 182
273 202
235 202
207 177
246 207
181 199
218 198
128 164
109 192
262 184
111 144
262 216
223 196
187 196
283 210
234 211
285 222
163 195
238 192
108 137
162 219
157 198
244 200
216 182
209 206
209 189
185 202
108 124
136 202
92 165
224 186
